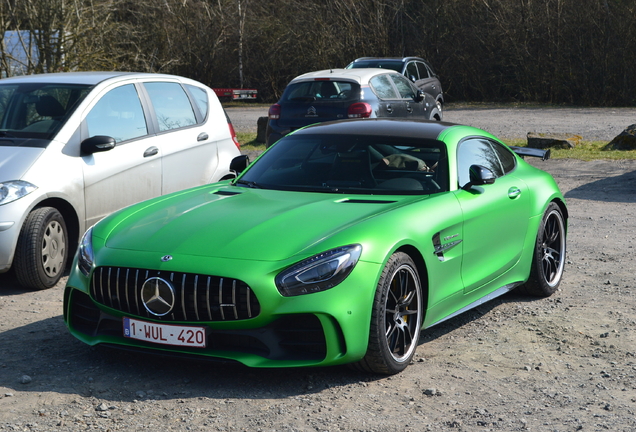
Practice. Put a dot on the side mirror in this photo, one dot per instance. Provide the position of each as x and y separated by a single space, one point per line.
419 96
239 164
96 144
412 78
479 175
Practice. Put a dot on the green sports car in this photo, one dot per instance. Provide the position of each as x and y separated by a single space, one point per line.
337 245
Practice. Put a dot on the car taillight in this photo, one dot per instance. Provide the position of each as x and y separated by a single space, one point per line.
233 133
274 112
359 110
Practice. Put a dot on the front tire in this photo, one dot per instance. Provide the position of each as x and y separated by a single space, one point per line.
40 255
396 318
549 255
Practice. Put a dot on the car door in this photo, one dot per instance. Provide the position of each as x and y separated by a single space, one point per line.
390 103
187 141
407 92
131 171
427 80
495 215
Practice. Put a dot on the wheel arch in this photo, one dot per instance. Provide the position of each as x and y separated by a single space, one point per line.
70 219
422 271
563 208
435 115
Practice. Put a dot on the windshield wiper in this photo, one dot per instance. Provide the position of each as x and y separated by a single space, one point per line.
6 134
249 184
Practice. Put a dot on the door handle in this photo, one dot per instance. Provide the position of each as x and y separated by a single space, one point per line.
203 136
389 109
151 151
409 108
514 192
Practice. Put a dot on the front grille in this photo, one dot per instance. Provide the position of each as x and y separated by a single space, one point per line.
197 297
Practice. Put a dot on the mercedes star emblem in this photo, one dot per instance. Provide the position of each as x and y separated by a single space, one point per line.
158 296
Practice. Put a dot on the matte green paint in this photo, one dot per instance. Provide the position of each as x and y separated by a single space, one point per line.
253 234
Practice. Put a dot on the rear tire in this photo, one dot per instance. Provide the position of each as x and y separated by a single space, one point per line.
549 255
40 255
396 318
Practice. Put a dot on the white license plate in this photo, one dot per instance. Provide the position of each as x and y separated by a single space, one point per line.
166 334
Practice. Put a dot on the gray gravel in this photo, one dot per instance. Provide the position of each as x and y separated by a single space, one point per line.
593 124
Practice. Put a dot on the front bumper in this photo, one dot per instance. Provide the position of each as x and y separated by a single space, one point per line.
12 216
325 328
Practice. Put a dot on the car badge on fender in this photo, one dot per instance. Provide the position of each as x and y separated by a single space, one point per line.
158 296
311 112
166 258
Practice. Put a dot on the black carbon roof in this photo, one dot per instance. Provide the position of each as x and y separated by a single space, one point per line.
382 127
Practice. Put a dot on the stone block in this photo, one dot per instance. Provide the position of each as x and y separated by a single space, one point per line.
626 140
553 141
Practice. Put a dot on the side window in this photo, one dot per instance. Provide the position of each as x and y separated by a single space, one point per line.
383 87
171 104
118 114
200 98
411 71
404 86
506 157
424 72
476 152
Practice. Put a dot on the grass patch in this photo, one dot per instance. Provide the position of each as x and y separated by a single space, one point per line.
244 104
586 151
248 141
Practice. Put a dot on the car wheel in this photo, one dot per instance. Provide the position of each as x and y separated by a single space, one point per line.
396 318
40 255
549 255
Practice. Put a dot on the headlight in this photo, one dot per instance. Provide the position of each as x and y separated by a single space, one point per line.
13 190
85 256
318 273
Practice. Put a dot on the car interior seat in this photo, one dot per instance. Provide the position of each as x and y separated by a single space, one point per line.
48 106
328 90
352 169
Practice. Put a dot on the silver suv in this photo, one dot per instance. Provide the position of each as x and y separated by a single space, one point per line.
75 147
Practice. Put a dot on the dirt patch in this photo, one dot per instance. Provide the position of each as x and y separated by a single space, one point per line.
565 363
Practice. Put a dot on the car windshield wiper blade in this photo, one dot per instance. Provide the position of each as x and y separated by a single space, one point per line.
249 184
6 134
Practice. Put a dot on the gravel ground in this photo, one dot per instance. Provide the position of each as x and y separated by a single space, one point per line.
593 124
566 363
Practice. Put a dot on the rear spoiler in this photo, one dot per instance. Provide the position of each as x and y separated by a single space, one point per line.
533 152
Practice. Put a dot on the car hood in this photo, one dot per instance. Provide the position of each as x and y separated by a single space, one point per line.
237 223
15 161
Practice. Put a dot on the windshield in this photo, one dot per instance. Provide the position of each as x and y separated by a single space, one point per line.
351 164
37 110
395 65
321 90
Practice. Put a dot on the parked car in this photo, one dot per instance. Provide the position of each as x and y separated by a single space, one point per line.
75 147
418 70
337 94
353 236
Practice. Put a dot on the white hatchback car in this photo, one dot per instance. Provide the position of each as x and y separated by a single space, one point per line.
75 147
